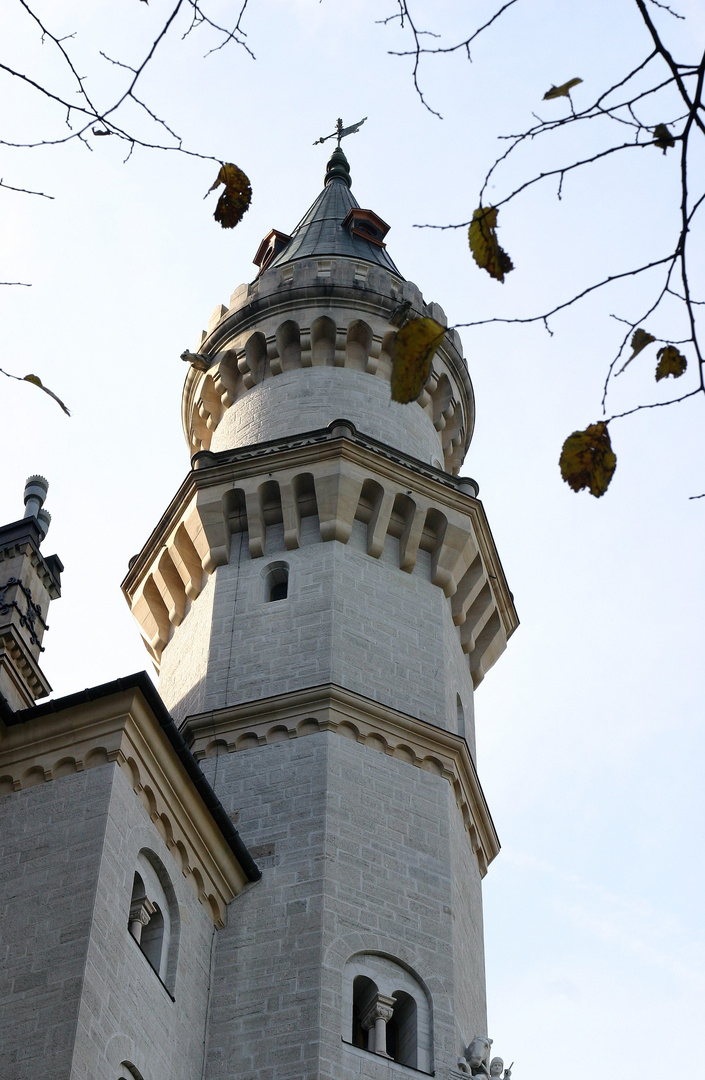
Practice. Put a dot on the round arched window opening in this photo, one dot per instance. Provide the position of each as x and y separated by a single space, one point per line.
154 916
276 582
387 1011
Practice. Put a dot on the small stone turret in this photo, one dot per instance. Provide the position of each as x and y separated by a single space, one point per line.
28 582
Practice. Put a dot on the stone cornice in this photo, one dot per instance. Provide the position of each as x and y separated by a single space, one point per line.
122 728
194 534
290 300
261 459
333 708
243 344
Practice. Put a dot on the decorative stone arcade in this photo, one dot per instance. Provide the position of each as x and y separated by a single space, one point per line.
321 598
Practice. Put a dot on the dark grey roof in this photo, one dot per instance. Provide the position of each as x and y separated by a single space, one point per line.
320 230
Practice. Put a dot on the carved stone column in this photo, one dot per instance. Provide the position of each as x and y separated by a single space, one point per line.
374 1020
141 912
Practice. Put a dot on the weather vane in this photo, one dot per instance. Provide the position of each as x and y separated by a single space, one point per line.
340 131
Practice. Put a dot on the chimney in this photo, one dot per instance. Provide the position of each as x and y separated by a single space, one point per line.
28 582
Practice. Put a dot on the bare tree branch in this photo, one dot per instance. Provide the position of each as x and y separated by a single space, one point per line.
419 49
24 191
623 103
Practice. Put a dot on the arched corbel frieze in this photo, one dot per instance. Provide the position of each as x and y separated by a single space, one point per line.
248 358
335 488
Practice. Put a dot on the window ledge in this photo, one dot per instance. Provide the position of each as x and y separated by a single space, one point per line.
393 1066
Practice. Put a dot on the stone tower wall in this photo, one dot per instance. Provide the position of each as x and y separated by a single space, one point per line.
356 851
126 1012
355 621
51 839
77 996
299 401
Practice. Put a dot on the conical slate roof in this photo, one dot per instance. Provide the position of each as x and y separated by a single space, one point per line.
320 231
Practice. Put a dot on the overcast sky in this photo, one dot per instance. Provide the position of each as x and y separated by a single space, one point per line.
590 732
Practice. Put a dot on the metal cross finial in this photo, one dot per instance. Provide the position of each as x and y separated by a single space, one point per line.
340 131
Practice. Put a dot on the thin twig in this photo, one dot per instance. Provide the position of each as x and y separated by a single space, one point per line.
24 191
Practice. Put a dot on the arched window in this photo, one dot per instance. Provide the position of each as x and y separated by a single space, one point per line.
387 1011
153 919
276 581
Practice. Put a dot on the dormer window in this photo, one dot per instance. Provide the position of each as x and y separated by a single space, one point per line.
366 224
273 243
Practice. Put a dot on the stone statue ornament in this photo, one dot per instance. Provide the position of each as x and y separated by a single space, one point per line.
476 1057
475 1061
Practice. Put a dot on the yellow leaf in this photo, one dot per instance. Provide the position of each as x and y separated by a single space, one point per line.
36 381
587 459
486 252
663 138
412 354
561 91
235 200
670 362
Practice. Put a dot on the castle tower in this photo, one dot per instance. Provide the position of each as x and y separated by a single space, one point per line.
29 581
321 598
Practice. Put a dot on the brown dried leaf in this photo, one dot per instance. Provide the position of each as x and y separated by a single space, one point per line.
412 354
482 237
640 339
663 138
235 200
561 91
36 381
587 459
670 362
